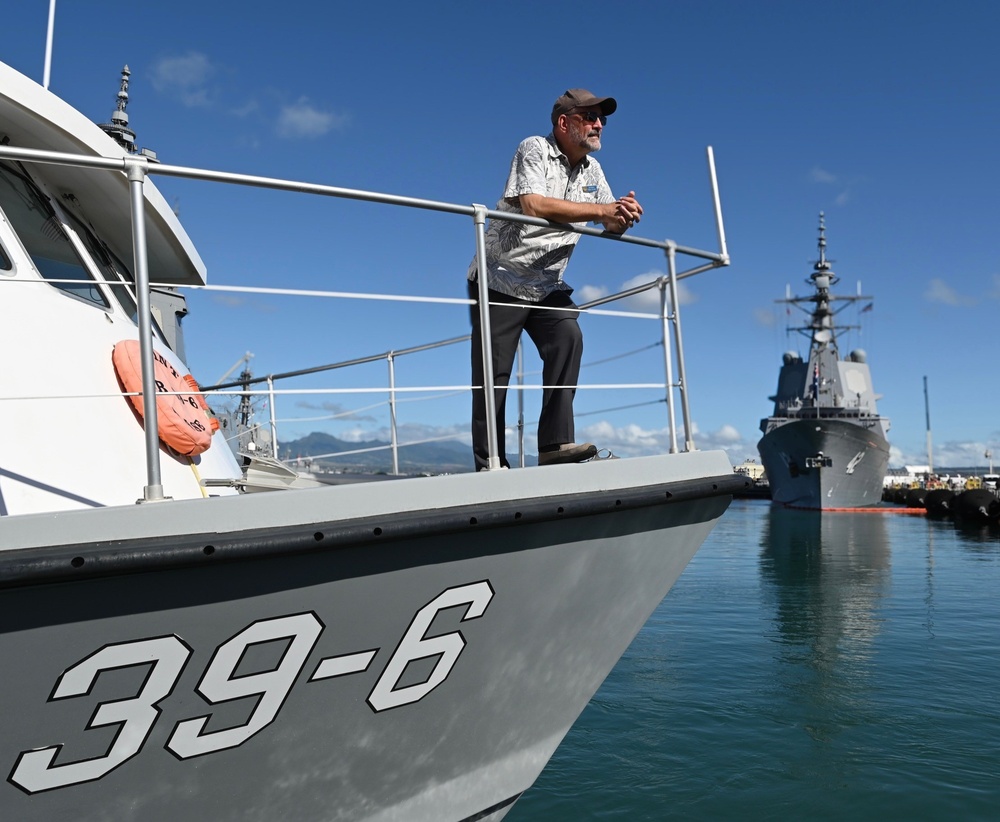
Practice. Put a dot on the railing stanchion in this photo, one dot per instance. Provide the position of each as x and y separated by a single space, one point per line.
520 405
153 490
489 393
679 345
717 202
668 364
391 361
272 415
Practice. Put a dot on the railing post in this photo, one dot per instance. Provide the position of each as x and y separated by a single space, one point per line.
668 365
271 415
679 344
717 203
47 71
479 217
391 360
520 405
136 169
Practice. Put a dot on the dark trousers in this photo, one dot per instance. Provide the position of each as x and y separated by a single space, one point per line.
559 340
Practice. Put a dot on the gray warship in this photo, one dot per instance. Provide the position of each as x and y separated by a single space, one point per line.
824 445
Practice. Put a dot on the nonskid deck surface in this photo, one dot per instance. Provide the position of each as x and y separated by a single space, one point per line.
453 496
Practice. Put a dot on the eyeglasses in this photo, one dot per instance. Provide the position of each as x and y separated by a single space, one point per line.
592 117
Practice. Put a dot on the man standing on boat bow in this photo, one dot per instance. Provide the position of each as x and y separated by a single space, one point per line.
553 178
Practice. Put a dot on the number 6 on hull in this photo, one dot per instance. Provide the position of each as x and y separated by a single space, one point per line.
414 645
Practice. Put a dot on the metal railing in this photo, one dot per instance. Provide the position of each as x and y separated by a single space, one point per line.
138 169
388 356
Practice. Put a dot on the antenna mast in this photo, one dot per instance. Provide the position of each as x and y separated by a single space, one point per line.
48 44
927 413
118 127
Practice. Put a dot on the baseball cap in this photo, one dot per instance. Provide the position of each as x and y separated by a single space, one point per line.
581 98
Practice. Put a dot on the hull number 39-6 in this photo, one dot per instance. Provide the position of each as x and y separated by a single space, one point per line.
166 657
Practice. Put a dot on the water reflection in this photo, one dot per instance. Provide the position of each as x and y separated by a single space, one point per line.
824 577
978 537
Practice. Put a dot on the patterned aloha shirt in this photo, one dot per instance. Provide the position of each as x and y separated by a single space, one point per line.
527 261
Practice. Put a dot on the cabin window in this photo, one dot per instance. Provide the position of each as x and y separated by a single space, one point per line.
115 273
43 237
5 264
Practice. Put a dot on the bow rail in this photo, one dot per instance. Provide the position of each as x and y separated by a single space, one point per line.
138 169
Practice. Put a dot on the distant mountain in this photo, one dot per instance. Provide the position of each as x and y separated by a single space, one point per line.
448 457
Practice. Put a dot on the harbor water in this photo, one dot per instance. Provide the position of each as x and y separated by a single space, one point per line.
805 666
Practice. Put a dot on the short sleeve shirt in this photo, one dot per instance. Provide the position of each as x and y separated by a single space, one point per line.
527 261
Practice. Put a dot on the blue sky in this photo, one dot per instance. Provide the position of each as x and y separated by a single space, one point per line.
882 115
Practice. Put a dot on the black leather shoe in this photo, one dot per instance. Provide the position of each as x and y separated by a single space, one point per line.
568 452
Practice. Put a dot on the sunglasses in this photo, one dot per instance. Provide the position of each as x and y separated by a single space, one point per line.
592 117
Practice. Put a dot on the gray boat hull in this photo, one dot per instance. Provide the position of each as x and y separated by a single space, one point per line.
422 665
824 463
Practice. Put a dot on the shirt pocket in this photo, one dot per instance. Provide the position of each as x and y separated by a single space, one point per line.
585 192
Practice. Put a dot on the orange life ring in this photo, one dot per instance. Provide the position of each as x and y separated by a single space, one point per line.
182 421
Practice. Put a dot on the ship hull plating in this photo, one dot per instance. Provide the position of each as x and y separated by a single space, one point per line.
823 464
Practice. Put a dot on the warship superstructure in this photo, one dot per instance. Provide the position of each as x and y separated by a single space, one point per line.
824 445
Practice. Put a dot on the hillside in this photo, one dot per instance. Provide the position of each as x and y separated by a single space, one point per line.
375 456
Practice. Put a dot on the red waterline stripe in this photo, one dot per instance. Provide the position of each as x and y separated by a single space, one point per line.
910 511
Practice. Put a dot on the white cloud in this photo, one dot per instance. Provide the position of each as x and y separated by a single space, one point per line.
587 293
409 433
240 301
827 178
819 175
303 120
765 317
633 440
898 459
648 300
191 78
627 440
248 108
938 291
230 300
728 433
952 454
330 411
186 77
